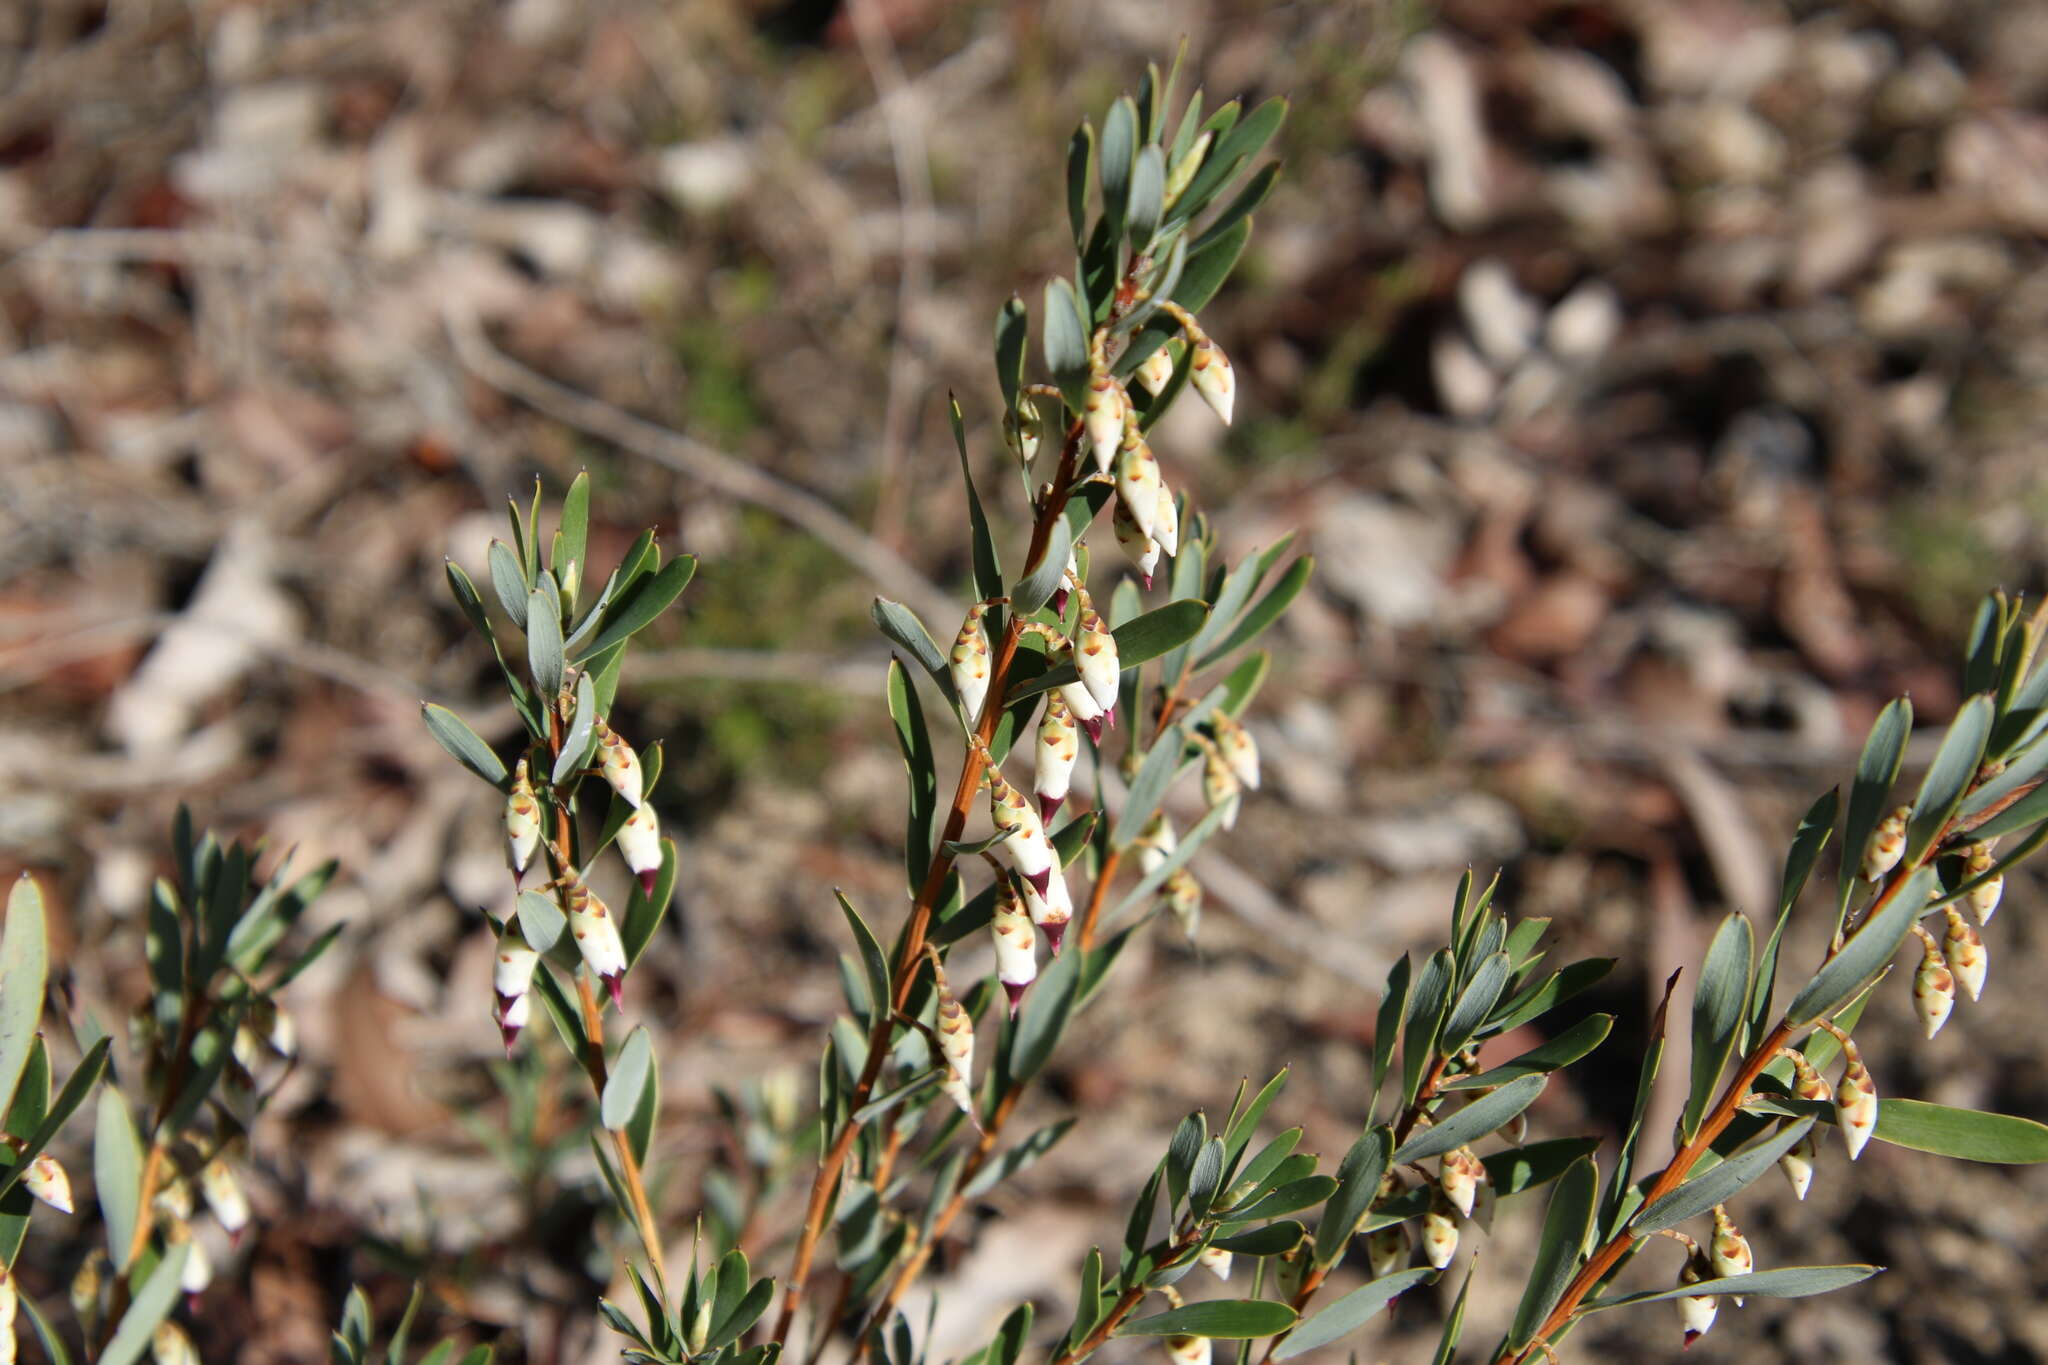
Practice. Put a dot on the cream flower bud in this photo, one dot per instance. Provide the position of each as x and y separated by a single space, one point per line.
1166 521
1386 1250
1139 548
198 1272
1696 1312
620 765
1797 1164
1057 604
1184 899
1728 1250
1855 1102
1216 1261
956 1045
1964 948
1977 861
85 1286
969 662
1138 483
597 939
1459 1176
174 1198
511 976
522 822
1211 375
1807 1082
1016 945
1155 371
1059 745
1027 849
275 1024
46 1180
640 846
1934 985
1189 1350
1156 843
10 1304
168 1345
1020 430
1095 659
1051 911
512 1018
1239 750
223 1193
1220 788
1102 419
1082 706
1887 844
1439 1235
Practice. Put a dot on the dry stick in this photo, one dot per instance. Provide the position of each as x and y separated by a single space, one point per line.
824 1186
1726 1107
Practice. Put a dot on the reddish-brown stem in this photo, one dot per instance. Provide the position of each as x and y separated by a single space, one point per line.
1123 1308
1093 914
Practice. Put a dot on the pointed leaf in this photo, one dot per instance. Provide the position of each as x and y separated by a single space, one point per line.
1559 1250
152 1304
1788 1282
901 625
24 972
1866 952
1218 1319
1718 1185
1474 1121
1949 776
1717 1007
639 605
464 744
1884 749
1350 1313
1964 1134
631 1072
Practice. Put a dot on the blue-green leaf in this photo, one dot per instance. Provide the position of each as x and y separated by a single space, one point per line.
1349 1313
1717 1013
464 744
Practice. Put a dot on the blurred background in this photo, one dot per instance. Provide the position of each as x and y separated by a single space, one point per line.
1658 385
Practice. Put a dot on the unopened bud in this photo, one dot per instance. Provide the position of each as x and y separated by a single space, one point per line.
1058 602
1139 548
1020 430
522 822
174 1198
1964 948
10 1304
619 764
1220 788
1439 1235
1095 659
223 1193
1459 1176
1807 1082
1059 745
1155 843
511 976
1977 861
275 1024
1166 521
1016 945
1184 899
1189 1350
1729 1249
1887 844
1183 171
1797 1164
1051 911
1239 750
1386 1250
168 1345
46 1180
1211 375
1216 1261
1102 419
1934 985
1855 1099
1027 849
597 939
956 1044
640 846
1138 482
86 1284
198 1272
1155 371
969 662
1696 1312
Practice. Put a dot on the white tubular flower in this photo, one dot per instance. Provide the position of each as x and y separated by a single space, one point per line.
1934 985
1138 483
1386 1250
969 662
198 1272
1459 1176
1095 658
1016 945
597 938
1166 521
1696 1312
1139 548
1964 948
1209 372
1102 419
1081 705
1155 371
1216 1261
1887 844
46 1180
168 1345
223 1193
1189 1350
1027 849
1059 745
620 765
956 1044
640 846
1728 1250
1058 602
1053 910
1239 750
512 1018
1797 1164
522 822
1439 1235
1156 843
1855 1101
1977 861
1184 899
1220 788
511 976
